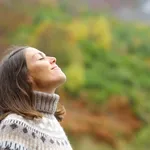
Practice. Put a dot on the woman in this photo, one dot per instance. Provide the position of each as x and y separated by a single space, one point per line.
28 103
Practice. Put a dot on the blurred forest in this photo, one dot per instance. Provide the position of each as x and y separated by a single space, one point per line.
107 63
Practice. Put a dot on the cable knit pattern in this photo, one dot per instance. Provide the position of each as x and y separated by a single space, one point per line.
18 133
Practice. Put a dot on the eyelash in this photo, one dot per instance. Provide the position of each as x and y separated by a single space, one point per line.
41 58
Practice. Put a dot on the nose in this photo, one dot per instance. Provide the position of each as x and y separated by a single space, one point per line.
52 60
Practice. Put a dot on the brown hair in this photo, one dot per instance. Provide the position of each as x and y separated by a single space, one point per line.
15 90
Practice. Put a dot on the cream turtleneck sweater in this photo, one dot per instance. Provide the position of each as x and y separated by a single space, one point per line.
18 133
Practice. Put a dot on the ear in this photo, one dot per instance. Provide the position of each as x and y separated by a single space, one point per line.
30 79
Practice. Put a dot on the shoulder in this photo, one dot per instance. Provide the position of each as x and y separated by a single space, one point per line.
14 123
11 123
15 133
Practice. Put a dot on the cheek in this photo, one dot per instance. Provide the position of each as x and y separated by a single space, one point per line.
40 71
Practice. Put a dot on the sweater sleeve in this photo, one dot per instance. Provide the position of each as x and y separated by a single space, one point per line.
12 139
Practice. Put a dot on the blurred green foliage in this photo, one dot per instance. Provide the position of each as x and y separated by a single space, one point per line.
101 56
97 52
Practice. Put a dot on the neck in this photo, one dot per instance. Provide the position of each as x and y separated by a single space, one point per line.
46 90
45 102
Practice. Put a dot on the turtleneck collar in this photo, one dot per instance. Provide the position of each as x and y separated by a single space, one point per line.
45 102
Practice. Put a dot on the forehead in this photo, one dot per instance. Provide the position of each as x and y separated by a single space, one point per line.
30 51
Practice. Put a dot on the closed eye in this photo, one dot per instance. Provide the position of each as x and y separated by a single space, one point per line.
41 58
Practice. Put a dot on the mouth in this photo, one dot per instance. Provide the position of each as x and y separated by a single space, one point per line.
55 67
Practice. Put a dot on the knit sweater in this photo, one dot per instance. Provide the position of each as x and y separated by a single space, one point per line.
18 133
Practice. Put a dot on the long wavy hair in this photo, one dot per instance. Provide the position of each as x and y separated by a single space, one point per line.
15 89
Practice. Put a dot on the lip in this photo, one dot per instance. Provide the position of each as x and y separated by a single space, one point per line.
55 67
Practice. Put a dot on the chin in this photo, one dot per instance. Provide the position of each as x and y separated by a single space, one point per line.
61 80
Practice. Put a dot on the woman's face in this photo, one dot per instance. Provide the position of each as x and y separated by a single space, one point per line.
44 74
